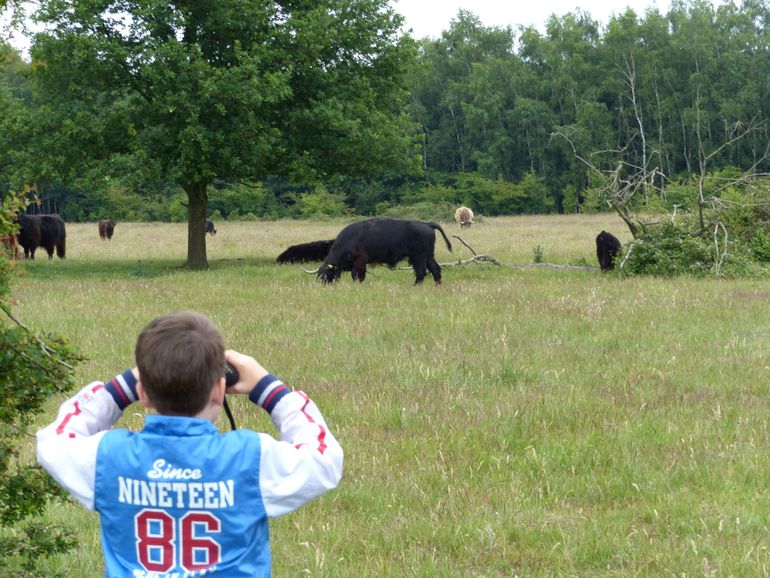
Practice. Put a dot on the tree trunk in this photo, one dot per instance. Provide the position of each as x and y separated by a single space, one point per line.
196 225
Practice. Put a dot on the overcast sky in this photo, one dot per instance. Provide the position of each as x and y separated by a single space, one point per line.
432 17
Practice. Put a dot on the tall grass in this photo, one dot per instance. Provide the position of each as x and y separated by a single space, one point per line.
514 421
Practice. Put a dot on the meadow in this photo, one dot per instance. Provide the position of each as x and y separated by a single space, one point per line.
515 421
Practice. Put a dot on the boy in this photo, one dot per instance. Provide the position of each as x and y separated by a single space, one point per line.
179 499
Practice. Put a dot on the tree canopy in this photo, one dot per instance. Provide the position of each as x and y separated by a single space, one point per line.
197 90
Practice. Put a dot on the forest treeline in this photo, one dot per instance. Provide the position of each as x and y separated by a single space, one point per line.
505 120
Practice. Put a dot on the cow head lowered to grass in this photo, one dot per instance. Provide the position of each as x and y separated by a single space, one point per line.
384 241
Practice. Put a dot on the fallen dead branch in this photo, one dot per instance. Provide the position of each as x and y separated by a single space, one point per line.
488 260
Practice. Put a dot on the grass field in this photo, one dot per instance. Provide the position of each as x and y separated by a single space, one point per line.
513 422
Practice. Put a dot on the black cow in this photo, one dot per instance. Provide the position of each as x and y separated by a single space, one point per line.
607 249
45 231
306 252
385 241
210 228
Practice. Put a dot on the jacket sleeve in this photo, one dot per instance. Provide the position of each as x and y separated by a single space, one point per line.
67 447
307 461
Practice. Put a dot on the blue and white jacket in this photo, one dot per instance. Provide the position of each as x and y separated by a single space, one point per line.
178 498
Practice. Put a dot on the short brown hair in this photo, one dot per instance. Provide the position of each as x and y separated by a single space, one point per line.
180 356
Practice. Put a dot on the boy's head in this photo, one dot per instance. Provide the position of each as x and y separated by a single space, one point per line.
180 356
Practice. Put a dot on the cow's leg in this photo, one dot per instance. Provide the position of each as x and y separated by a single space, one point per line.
603 262
420 270
358 271
435 269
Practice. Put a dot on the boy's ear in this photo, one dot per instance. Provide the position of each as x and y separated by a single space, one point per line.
218 392
143 396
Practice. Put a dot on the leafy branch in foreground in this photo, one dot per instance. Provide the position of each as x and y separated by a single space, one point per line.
32 368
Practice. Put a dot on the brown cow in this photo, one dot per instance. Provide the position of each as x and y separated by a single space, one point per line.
464 217
106 229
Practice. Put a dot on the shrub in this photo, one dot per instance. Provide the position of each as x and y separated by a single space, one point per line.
424 211
669 250
537 254
760 246
32 368
322 203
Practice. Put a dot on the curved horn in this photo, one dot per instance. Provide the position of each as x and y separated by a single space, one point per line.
310 272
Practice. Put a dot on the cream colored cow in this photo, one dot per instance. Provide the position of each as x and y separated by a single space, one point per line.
464 217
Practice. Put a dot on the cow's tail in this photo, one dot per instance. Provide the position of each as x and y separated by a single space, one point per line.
61 240
443 234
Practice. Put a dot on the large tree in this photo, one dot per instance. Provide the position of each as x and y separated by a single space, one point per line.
194 90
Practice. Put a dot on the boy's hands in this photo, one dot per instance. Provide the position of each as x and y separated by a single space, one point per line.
249 370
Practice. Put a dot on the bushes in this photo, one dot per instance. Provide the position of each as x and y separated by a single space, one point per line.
322 203
670 249
32 368
423 211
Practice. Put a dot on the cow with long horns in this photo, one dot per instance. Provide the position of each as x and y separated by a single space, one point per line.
384 241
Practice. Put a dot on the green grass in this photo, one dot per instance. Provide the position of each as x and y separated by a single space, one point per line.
514 421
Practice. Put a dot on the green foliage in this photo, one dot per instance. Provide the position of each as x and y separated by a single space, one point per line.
669 250
760 246
322 203
423 211
537 254
177 210
484 195
238 199
23 550
32 368
745 212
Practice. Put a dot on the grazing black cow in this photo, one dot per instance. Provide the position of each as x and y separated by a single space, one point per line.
385 241
306 252
106 229
45 231
607 249
210 228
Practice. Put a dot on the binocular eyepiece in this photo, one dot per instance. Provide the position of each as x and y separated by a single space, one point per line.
231 375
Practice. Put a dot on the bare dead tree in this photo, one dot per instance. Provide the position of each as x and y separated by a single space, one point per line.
735 132
629 77
621 182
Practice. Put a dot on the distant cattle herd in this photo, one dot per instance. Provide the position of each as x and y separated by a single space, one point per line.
373 241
